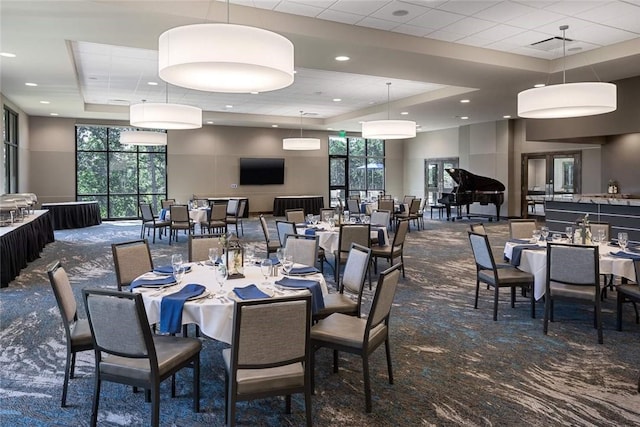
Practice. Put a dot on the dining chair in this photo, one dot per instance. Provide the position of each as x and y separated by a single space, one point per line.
407 199
199 245
360 336
387 205
478 228
348 299
302 248
151 222
237 217
421 211
179 221
131 259
412 215
348 234
379 218
394 250
166 203
573 274
354 208
295 215
283 228
77 332
521 228
270 353
488 272
134 356
216 219
272 245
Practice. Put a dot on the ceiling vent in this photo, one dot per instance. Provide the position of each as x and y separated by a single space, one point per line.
550 44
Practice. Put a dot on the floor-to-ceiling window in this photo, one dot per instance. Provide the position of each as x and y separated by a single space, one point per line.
10 152
118 176
356 167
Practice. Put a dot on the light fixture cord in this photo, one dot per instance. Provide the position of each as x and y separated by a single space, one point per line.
301 112
564 53
388 99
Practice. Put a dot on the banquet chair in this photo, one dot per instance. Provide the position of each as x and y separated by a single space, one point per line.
77 332
166 203
361 336
407 199
350 233
348 299
494 277
573 274
131 259
270 353
302 248
134 356
283 228
150 221
380 218
179 221
199 245
420 212
521 228
478 228
295 215
628 293
272 245
394 250
354 208
217 219
412 215
236 218
387 205
386 197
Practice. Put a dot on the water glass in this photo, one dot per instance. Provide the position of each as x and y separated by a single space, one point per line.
623 239
221 274
176 261
250 255
178 273
536 235
287 264
265 268
280 254
544 231
569 232
602 236
213 255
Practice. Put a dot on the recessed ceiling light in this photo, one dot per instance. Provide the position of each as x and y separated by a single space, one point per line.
329 128
404 113
295 72
53 114
254 93
539 85
506 117
337 99
274 126
45 102
464 118
465 101
31 84
228 106
400 12
152 83
209 122
8 54
342 58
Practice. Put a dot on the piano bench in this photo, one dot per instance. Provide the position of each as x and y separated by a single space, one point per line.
439 208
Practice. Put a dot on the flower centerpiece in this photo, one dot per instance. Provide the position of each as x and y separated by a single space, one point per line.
233 255
583 232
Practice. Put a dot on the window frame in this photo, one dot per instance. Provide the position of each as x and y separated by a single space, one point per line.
11 149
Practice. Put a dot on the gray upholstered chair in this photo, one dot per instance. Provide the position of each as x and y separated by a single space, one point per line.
283 228
573 274
294 215
488 272
353 206
303 248
166 203
270 352
521 228
379 217
77 332
127 353
411 214
199 245
348 299
350 233
387 205
395 249
478 228
216 219
131 259
356 335
180 220
150 222
237 216
272 244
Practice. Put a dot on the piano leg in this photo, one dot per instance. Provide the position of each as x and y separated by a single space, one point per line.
448 209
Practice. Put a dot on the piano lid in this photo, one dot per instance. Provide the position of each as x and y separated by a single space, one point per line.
468 181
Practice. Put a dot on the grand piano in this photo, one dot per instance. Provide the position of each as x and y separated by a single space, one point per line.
472 188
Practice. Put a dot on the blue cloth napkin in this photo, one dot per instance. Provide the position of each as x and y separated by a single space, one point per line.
250 292
516 255
303 270
310 231
381 240
522 241
168 269
363 208
626 255
317 300
163 214
274 259
171 307
148 283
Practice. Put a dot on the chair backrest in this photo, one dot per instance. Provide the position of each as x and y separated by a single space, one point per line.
166 203
270 332
383 298
386 205
408 199
199 245
64 295
131 259
521 228
353 206
636 267
573 264
232 207
386 197
380 217
355 270
294 215
283 228
355 197
302 248
218 212
326 213
481 251
179 213
354 233
119 324
241 208
478 228
265 228
401 232
146 212
414 207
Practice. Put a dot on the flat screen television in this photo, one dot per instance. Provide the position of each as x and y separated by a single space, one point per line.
261 171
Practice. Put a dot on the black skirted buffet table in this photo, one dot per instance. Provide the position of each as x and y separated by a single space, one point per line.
310 204
73 214
22 243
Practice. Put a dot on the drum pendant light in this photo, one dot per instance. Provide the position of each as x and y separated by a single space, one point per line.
389 129
301 143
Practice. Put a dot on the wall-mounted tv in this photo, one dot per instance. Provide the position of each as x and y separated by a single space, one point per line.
261 171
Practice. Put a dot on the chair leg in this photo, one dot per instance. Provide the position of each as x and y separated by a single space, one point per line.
96 397
495 303
367 384
547 307
155 406
533 304
335 361
513 296
387 347
67 375
619 301
287 404
475 305
196 384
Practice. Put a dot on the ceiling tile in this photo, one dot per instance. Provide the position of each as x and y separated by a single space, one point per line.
466 7
602 35
436 19
298 9
412 30
470 25
386 12
534 19
504 11
572 8
444 35
376 23
499 32
337 16
359 7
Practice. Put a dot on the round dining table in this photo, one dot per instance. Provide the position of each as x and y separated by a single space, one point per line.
329 237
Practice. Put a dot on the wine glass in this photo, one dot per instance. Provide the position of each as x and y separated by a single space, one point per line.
250 255
265 268
623 239
176 262
221 274
178 273
569 232
213 255
280 254
536 235
287 264
602 236
544 231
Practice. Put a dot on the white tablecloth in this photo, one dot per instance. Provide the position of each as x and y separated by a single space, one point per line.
535 262
328 238
198 215
214 316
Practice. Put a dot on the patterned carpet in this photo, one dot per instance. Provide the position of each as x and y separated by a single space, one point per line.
452 364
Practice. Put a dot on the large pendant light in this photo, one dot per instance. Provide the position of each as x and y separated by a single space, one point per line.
301 143
567 99
143 137
389 129
152 115
225 58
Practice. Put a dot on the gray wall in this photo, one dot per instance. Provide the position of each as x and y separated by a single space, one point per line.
621 162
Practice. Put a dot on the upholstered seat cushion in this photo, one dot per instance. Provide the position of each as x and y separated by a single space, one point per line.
506 276
338 303
171 351
631 292
572 291
273 244
386 250
81 334
214 223
347 330
259 380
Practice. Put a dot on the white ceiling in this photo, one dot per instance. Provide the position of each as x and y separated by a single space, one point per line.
91 59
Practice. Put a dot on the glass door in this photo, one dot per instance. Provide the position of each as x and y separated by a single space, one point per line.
437 180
